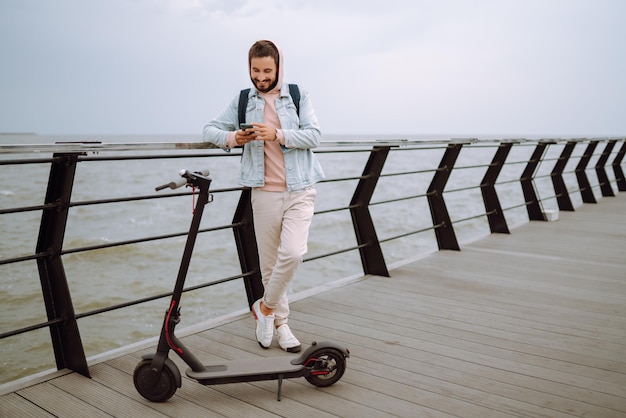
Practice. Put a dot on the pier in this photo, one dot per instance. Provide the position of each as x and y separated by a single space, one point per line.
527 324
525 321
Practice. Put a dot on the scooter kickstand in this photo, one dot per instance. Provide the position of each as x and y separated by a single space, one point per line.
280 384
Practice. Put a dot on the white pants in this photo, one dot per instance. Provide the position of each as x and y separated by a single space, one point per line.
281 225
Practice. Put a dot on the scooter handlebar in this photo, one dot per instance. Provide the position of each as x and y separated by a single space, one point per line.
185 175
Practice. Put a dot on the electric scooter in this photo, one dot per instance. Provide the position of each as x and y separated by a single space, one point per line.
156 377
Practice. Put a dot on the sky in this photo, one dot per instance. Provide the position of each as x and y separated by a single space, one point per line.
510 68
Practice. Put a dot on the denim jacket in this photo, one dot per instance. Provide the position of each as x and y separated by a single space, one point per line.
302 168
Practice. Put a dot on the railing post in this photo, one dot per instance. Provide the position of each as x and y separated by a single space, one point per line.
583 180
371 254
495 214
444 231
605 184
617 168
245 240
66 342
560 189
528 185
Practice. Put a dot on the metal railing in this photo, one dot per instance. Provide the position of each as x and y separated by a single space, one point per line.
50 249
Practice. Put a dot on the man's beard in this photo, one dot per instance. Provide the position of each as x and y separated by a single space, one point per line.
267 89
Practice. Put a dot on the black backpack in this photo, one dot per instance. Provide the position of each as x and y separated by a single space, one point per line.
294 91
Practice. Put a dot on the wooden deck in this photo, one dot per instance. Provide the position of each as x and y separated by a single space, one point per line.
528 324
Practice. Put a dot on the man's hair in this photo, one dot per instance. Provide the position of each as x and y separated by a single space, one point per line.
263 49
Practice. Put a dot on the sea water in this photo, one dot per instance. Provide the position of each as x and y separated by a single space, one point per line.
119 274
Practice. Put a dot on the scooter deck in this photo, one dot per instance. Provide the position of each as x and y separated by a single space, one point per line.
265 368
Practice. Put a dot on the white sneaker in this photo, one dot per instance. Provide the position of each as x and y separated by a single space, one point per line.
287 340
264 325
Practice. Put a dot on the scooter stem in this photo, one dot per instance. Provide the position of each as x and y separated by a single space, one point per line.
168 339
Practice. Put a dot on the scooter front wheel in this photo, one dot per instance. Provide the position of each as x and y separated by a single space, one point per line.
327 366
154 387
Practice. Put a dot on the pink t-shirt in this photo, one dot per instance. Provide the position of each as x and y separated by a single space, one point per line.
275 180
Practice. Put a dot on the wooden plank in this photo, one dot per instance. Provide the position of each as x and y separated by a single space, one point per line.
14 405
102 397
59 402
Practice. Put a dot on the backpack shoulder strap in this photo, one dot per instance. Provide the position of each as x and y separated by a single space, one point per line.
243 104
295 96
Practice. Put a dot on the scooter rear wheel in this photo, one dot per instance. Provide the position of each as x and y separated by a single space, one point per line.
328 366
155 388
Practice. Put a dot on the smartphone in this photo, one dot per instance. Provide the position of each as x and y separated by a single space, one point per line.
245 126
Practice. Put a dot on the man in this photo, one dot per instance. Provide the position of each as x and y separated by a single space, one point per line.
280 167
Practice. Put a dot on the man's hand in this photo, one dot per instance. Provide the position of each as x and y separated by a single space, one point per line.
243 137
259 132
